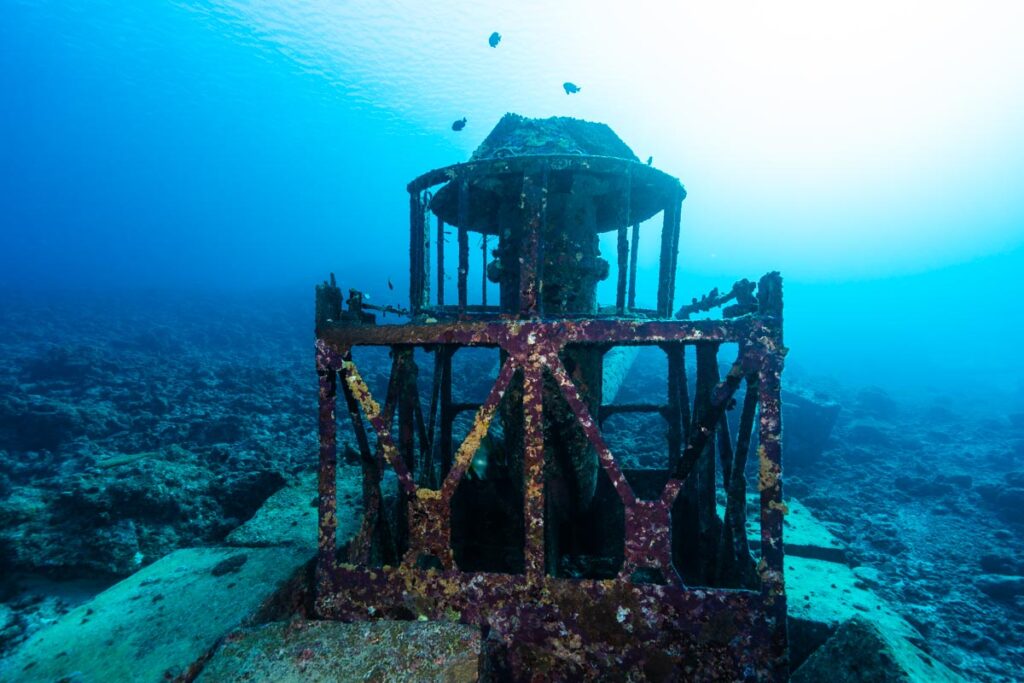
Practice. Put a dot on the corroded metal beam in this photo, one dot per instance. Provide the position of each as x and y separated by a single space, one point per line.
536 616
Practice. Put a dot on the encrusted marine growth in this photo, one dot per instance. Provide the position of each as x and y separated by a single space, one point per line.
575 565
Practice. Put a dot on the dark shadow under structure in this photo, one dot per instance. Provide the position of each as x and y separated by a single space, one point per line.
575 566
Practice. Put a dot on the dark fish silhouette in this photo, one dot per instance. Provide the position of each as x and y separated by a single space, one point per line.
650 160
460 124
571 88
390 284
494 39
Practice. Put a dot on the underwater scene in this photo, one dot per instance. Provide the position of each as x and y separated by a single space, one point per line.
511 341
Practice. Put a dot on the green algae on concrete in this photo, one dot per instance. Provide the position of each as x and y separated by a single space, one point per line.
830 593
805 536
159 623
861 652
289 517
321 651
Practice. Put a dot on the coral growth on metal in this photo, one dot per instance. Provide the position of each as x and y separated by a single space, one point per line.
541 624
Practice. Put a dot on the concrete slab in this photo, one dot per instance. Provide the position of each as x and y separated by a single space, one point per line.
322 651
803 534
159 623
289 517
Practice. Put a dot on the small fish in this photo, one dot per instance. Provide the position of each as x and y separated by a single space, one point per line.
494 39
571 88
460 124
650 160
390 284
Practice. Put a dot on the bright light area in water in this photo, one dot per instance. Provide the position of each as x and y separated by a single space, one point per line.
828 140
871 152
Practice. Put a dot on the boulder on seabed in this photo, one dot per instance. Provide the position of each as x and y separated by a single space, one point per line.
808 421
309 651
859 652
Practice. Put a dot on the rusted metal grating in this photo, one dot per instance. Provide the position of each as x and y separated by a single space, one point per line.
541 624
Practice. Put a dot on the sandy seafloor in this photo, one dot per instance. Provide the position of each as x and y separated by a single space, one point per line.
134 426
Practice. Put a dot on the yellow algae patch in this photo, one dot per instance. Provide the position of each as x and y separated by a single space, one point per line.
768 475
428 494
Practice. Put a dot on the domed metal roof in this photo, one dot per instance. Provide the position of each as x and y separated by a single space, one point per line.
565 150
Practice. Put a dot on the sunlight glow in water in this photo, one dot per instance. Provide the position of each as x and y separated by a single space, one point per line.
840 141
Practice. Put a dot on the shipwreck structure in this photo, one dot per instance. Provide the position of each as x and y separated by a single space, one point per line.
576 565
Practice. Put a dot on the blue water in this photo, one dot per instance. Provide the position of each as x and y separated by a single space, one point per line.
167 150
209 145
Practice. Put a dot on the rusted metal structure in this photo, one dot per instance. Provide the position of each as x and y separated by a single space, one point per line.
685 599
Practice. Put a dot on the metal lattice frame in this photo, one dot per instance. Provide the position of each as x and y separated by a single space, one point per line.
539 624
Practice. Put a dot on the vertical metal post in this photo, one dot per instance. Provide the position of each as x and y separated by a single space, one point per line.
685 515
673 251
704 471
447 416
528 248
773 585
327 541
425 232
735 548
676 401
535 201
406 397
371 531
621 261
770 456
483 269
463 267
440 262
665 262
463 213
533 469
406 369
634 243
415 252
430 470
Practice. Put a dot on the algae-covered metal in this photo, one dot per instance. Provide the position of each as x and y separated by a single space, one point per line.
670 591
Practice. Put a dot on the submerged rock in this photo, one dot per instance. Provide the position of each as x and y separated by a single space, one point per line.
158 624
859 652
311 651
1001 587
113 520
810 417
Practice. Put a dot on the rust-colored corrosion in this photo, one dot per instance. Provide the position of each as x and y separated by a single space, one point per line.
641 622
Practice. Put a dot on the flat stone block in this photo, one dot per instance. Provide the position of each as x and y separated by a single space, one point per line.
289 517
804 536
159 623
